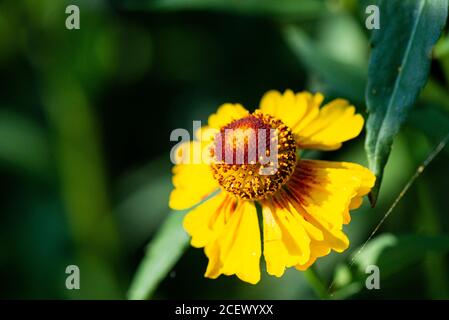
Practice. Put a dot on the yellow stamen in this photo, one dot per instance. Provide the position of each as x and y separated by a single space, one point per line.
254 156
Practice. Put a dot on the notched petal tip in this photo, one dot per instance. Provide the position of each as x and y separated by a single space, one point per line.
319 195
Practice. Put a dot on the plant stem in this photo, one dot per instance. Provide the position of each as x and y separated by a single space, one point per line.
316 283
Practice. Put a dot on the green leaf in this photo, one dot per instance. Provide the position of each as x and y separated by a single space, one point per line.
340 78
391 254
342 276
340 37
394 253
398 70
373 250
161 255
284 8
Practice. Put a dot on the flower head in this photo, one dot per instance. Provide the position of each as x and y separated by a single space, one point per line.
251 158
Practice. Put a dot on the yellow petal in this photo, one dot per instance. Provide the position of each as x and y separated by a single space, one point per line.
202 223
237 247
225 114
326 189
286 242
314 128
206 134
295 110
336 123
317 249
322 193
192 179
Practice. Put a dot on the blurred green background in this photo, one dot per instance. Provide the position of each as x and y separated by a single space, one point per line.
85 120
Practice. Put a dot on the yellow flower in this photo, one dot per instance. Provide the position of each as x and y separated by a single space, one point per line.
305 203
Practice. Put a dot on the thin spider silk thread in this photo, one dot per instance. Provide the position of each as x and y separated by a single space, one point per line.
432 155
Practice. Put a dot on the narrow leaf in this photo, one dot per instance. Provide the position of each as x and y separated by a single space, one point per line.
391 254
162 253
394 253
340 78
398 70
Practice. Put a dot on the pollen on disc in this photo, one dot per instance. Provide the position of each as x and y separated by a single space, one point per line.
254 156
243 140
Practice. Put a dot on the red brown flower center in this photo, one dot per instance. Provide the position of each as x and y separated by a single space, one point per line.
253 156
